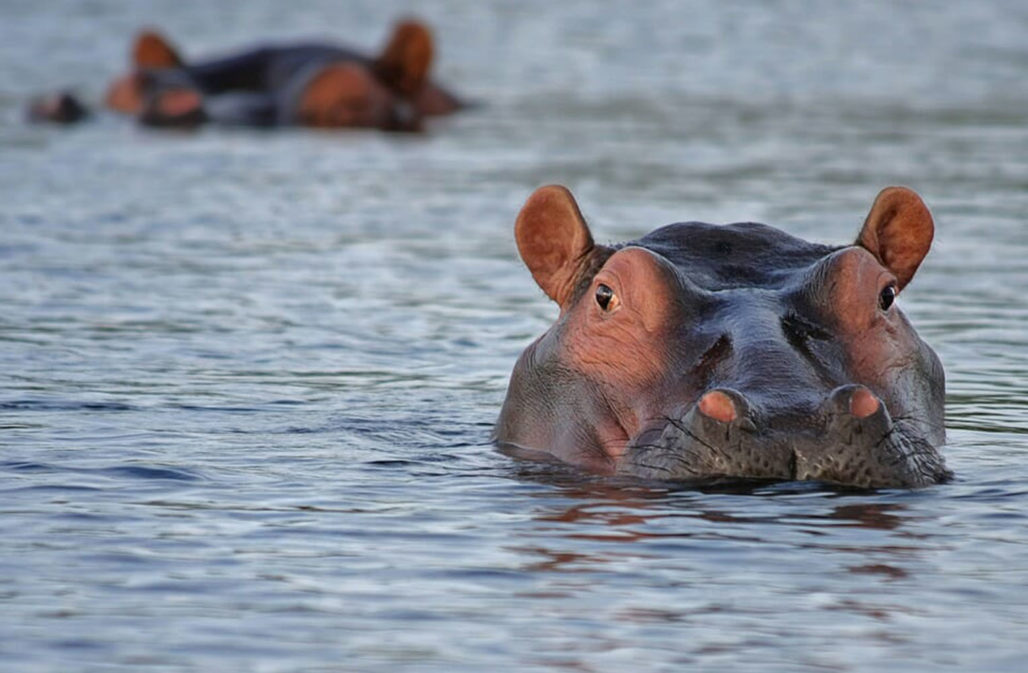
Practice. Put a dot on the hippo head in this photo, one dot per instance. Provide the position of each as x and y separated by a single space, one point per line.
150 51
701 352
347 95
62 107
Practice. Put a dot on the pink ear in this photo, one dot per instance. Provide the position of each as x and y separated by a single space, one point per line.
152 50
404 63
898 231
554 241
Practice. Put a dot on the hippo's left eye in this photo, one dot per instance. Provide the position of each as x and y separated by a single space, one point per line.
605 297
887 297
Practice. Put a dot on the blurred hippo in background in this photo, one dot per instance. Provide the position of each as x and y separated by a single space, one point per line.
702 352
308 84
62 107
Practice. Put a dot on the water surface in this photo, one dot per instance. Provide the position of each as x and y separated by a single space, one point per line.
249 378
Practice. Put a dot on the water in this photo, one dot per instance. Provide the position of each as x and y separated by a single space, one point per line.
249 378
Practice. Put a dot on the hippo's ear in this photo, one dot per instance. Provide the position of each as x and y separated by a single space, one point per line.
153 50
554 241
404 63
898 231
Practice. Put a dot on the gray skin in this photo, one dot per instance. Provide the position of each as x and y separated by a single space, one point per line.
708 352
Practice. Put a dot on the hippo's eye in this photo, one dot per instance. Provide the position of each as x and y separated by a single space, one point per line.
887 296
604 296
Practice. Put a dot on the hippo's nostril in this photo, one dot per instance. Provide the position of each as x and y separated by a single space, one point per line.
726 405
719 406
854 400
863 403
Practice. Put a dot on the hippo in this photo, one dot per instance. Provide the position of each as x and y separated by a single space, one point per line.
702 352
61 107
306 84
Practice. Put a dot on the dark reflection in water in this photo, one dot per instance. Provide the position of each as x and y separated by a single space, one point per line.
249 379
708 545
629 514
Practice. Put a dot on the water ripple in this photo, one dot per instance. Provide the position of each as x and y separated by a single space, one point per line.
250 378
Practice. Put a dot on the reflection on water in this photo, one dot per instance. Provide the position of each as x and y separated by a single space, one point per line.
250 378
605 512
708 573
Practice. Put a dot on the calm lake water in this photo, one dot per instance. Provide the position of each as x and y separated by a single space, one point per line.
249 378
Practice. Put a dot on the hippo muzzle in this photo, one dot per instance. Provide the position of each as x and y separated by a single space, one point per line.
709 352
851 439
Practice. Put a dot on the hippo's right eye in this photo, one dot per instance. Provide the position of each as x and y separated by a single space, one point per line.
604 297
887 297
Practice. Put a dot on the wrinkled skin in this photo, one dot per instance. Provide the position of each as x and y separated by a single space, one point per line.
736 351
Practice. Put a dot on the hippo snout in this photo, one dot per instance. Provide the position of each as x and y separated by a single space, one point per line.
849 438
854 447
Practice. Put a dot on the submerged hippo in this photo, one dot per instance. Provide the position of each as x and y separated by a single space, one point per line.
736 351
306 84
